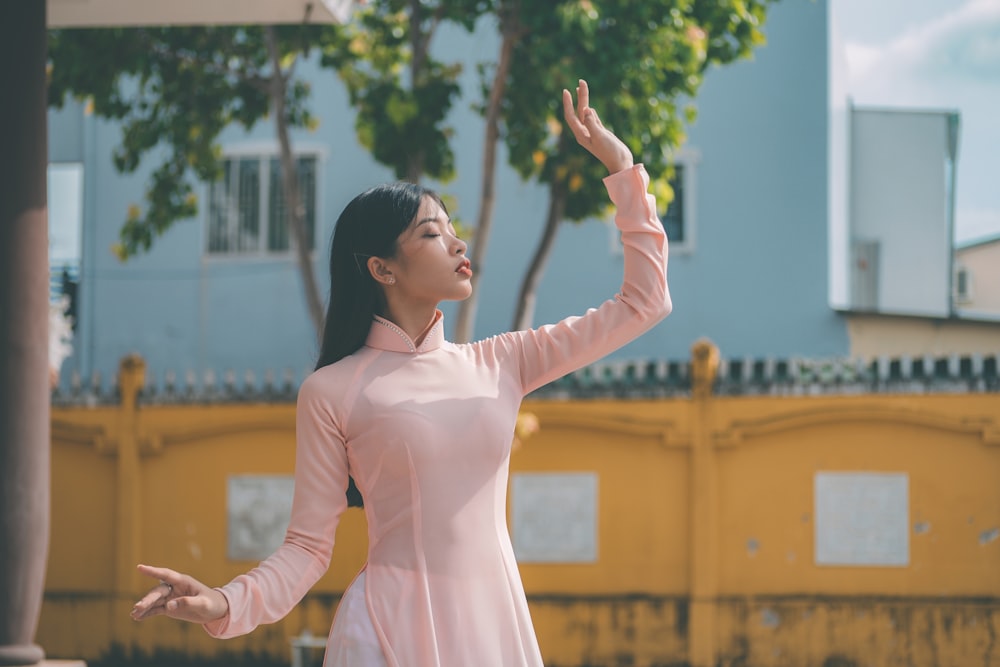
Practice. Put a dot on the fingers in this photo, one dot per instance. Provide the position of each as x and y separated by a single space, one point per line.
159 594
582 98
590 132
154 603
582 103
575 126
592 121
179 596
165 575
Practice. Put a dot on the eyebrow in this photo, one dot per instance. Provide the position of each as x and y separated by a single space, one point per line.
431 219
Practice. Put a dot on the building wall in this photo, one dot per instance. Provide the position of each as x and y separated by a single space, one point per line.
839 146
900 200
755 281
875 335
981 261
709 527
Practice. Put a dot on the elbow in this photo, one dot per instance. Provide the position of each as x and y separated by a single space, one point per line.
666 307
652 311
663 308
660 303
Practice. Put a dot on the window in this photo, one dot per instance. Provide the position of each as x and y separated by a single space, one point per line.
248 214
677 216
963 285
673 217
65 206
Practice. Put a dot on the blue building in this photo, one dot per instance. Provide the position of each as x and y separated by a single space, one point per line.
762 209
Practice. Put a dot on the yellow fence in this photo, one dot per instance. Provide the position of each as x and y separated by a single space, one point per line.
826 531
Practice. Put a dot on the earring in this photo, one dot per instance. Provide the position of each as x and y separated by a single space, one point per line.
391 280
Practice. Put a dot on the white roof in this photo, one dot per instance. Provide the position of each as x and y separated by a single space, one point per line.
108 13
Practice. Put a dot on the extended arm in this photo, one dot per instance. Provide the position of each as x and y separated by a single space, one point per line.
269 591
549 352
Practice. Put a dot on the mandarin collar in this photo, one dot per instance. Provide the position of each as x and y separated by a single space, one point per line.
384 335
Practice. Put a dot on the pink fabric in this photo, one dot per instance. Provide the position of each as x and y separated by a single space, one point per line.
426 433
353 641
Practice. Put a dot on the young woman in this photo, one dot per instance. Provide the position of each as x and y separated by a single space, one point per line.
424 427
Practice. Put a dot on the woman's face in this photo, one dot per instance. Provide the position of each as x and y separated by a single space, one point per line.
430 264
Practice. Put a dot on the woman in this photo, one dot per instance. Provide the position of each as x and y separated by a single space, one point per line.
424 427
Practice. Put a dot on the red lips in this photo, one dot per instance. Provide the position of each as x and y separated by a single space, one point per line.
465 268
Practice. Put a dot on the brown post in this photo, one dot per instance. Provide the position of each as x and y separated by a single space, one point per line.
24 363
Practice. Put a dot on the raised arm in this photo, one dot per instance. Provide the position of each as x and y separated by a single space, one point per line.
542 355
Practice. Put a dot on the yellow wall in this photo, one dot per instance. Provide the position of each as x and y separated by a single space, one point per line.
705 528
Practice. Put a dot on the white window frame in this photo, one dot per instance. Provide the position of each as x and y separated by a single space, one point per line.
688 159
966 296
266 151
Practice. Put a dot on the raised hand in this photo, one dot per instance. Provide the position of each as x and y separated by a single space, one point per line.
179 596
590 132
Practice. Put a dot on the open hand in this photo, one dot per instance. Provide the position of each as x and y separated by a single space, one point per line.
591 133
179 596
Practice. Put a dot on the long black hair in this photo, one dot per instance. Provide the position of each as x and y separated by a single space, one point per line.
369 226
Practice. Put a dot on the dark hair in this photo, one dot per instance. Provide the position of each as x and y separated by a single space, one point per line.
369 226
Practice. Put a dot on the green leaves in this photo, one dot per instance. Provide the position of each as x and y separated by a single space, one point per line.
642 59
175 88
401 93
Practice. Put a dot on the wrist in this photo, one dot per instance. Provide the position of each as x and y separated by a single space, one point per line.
623 165
221 604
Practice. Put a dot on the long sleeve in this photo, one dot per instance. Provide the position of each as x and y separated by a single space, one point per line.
549 352
268 592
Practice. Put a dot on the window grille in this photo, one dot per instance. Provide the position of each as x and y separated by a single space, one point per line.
247 210
673 217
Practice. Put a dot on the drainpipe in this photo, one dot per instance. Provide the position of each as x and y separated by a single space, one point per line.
952 164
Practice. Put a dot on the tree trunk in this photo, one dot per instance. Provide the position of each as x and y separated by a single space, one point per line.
419 44
533 276
290 185
466 321
415 168
24 323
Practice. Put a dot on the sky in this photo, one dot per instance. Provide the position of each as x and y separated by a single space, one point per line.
939 55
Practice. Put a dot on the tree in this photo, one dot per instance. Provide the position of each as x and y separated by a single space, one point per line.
179 88
646 59
508 14
402 94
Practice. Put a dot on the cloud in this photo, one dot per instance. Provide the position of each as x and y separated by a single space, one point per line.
965 43
962 46
861 59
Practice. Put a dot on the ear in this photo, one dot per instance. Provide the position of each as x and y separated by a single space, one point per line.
380 271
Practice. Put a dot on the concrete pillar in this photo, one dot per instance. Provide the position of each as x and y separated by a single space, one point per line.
24 365
702 633
128 524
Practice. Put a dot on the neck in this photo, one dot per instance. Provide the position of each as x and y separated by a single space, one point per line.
412 319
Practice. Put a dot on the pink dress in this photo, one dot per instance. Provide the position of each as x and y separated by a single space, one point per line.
426 433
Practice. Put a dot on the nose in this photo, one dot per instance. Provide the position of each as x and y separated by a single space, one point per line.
460 246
